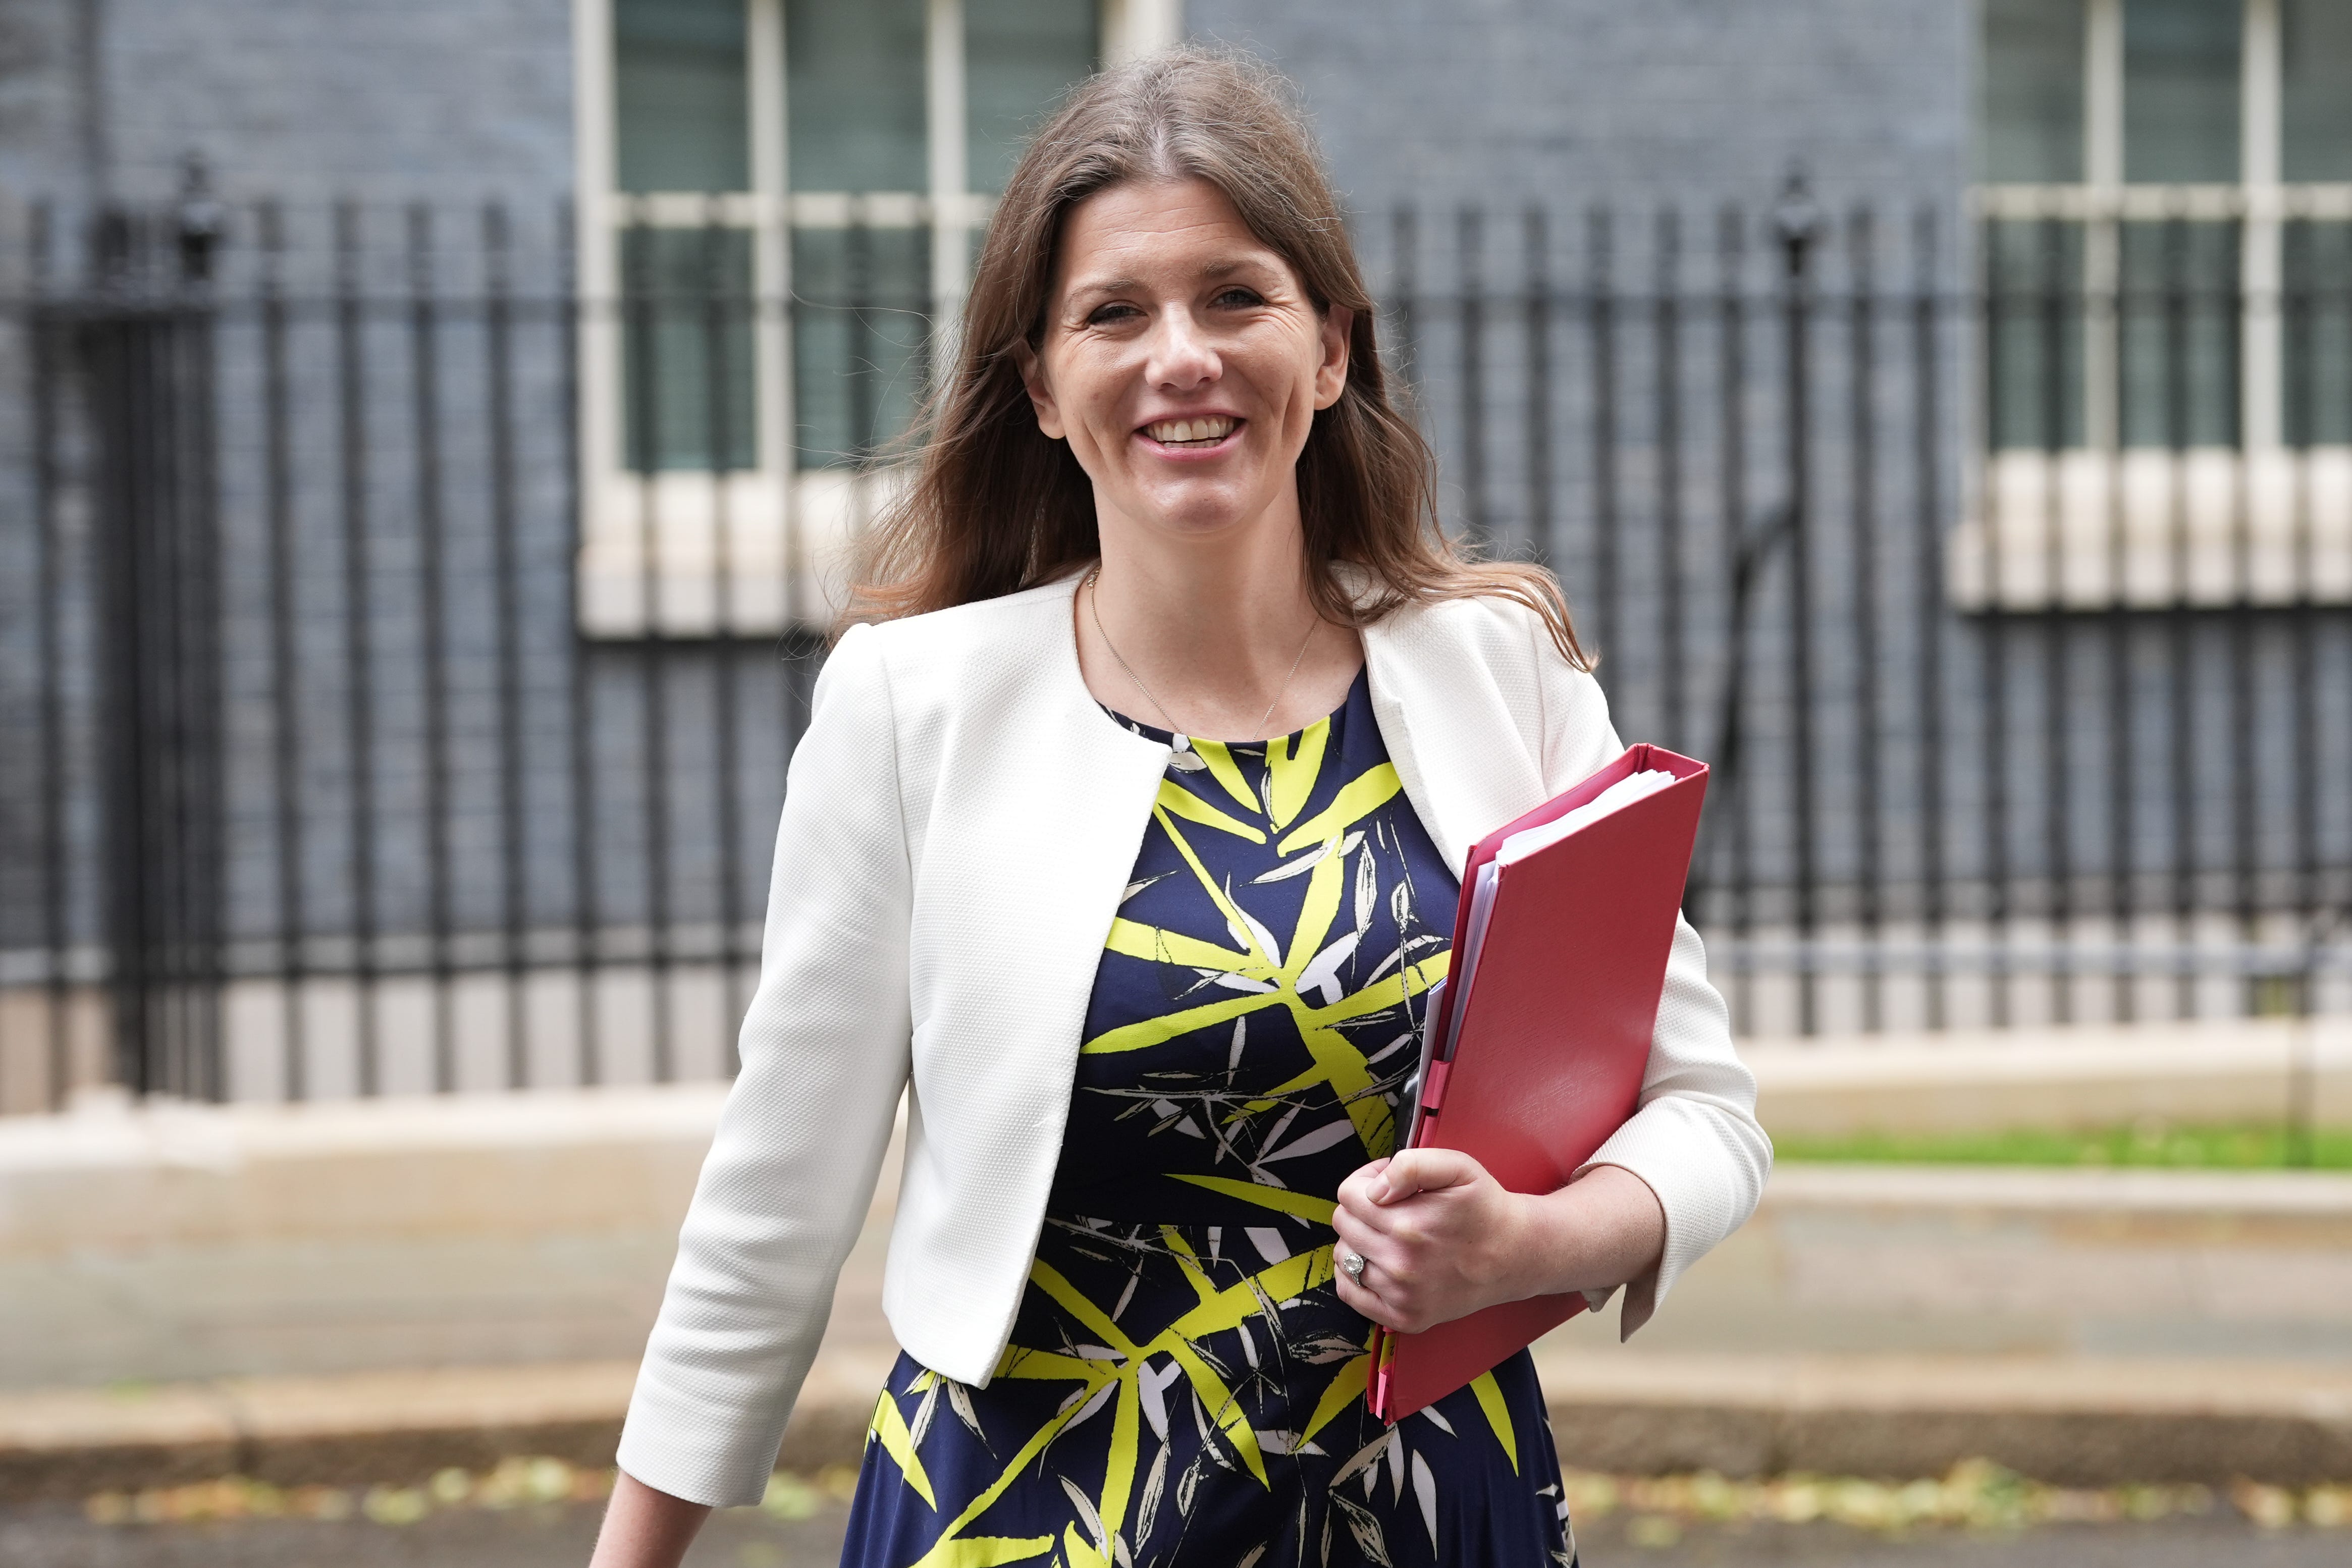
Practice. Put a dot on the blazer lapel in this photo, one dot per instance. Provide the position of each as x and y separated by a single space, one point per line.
1453 740
1388 669
1029 845
1098 800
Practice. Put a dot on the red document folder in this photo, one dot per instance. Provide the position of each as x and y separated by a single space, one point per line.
1543 1058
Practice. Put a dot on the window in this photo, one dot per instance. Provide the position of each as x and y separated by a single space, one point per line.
2166 190
782 201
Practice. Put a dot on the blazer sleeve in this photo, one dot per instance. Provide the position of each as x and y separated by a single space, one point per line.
1695 1139
824 1050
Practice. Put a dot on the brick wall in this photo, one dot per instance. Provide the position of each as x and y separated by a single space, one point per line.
1570 100
446 98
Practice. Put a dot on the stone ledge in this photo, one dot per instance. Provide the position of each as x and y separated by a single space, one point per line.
2076 1422
110 1175
2068 1421
371 1427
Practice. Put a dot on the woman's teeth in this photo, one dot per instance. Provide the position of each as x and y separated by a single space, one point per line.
1191 431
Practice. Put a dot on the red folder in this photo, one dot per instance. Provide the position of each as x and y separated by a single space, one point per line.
1542 1059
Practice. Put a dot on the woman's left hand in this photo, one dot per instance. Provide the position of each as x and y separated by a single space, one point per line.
1441 1238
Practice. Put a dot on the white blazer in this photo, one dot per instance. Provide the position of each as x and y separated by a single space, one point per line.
959 827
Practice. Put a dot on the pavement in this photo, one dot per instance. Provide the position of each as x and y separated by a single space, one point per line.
560 1536
2070 1422
357 1293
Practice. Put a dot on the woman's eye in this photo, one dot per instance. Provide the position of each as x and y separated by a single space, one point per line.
1239 296
1104 314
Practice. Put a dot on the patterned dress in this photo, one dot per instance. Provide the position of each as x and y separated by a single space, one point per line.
1184 1384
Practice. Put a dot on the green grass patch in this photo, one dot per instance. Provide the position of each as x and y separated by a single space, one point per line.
2144 1143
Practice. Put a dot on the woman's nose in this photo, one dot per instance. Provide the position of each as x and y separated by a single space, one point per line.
1182 356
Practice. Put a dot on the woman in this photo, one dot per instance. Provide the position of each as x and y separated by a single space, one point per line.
1150 996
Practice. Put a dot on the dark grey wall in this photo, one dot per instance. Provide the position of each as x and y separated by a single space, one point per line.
42 123
1567 100
448 98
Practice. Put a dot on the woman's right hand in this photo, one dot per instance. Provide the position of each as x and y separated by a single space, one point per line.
644 1528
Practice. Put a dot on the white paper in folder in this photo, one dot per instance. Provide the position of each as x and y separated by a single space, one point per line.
1616 797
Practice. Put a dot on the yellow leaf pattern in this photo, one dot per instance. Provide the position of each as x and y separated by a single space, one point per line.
1184 1383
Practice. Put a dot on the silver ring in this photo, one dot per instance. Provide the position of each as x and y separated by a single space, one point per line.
1352 1265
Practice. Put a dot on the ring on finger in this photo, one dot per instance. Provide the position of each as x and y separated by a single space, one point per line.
1352 1265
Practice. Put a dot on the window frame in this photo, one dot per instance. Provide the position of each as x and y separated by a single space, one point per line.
2094 522
756 550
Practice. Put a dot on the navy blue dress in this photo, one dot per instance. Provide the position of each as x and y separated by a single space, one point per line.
1184 1384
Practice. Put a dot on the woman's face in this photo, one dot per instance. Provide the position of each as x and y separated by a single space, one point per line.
1181 361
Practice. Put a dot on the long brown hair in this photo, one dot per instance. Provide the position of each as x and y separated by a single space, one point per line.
993 505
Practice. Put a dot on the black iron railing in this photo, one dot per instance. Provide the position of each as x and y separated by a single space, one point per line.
405 639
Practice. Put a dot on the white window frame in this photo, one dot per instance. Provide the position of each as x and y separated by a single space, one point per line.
759 550
2091 526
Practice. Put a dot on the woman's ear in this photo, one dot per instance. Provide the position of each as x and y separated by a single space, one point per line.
1041 396
1331 375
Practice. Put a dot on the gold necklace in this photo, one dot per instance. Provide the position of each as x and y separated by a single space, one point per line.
1094 604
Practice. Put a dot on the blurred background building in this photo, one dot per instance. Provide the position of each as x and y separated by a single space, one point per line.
427 436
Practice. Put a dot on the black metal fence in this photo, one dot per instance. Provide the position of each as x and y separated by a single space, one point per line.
407 635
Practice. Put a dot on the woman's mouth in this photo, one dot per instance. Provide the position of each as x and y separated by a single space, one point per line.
1195 434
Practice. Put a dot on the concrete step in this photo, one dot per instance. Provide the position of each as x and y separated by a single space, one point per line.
2068 1422
1929 1260
396 1426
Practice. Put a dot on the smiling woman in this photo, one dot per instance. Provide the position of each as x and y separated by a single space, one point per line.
1122 842
1001 503
1184 365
